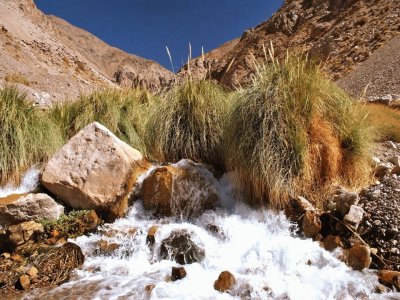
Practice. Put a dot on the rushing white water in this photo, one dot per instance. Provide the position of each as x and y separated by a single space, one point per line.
28 183
258 247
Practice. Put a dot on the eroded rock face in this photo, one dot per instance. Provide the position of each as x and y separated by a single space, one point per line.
180 247
94 170
185 189
27 207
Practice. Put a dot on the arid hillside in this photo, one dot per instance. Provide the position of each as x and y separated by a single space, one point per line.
341 33
50 65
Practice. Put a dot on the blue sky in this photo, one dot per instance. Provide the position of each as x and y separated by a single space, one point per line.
145 27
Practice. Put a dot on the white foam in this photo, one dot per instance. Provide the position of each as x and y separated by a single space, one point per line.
258 247
28 183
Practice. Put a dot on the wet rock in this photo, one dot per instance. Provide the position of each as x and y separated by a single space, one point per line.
105 247
311 224
354 217
297 207
390 278
344 200
56 263
185 189
331 242
151 235
28 207
358 257
94 170
225 282
179 247
24 282
178 273
149 288
23 232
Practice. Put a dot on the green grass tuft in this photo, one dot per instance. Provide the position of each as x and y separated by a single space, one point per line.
386 121
27 135
122 112
294 132
188 122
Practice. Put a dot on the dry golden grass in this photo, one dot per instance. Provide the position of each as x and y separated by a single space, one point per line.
17 78
385 120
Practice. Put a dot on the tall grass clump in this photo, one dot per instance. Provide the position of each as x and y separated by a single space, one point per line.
293 132
27 135
188 122
121 111
385 120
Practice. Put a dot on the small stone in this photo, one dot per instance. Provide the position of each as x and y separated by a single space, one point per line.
380 289
377 222
311 224
358 257
5 255
354 217
344 200
225 282
391 145
395 160
331 242
395 171
149 288
151 239
382 170
32 272
395 251
376 161
16 257
178 273
24 282
375 194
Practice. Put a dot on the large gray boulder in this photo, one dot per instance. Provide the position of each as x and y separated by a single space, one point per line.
28 207
95 170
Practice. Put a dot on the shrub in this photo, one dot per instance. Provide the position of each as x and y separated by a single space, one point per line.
294 132
27 135
386 122
188 122
122 112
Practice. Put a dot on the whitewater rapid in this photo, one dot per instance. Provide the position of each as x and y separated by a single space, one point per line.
29 182
258 247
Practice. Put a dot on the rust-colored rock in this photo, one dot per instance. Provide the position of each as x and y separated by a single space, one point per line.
185 189
331 242
32 272
390 278
151 239
149 288
23 232
358 257
225 281
311 224
24 282
95 170
178 273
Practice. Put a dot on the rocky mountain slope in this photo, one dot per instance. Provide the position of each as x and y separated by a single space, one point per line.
341 33
50 65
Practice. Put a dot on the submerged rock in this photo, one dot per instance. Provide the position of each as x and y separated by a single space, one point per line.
28 207
358 257
225 282
94 170
179 247
185 189
178 273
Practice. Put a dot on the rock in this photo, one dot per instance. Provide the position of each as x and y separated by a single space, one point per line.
58 262
376 161
395 160
105 248
5 255
225 282
23 232
24 282
311 224
395 171
28 207
354 217
179 247
94 170
390 278
344 200
391 145
297 207
382 170
385 100
32 272
184 189
358 257
331 242
149 288
178 273
151 239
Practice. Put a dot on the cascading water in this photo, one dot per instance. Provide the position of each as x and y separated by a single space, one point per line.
28 183
258 247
